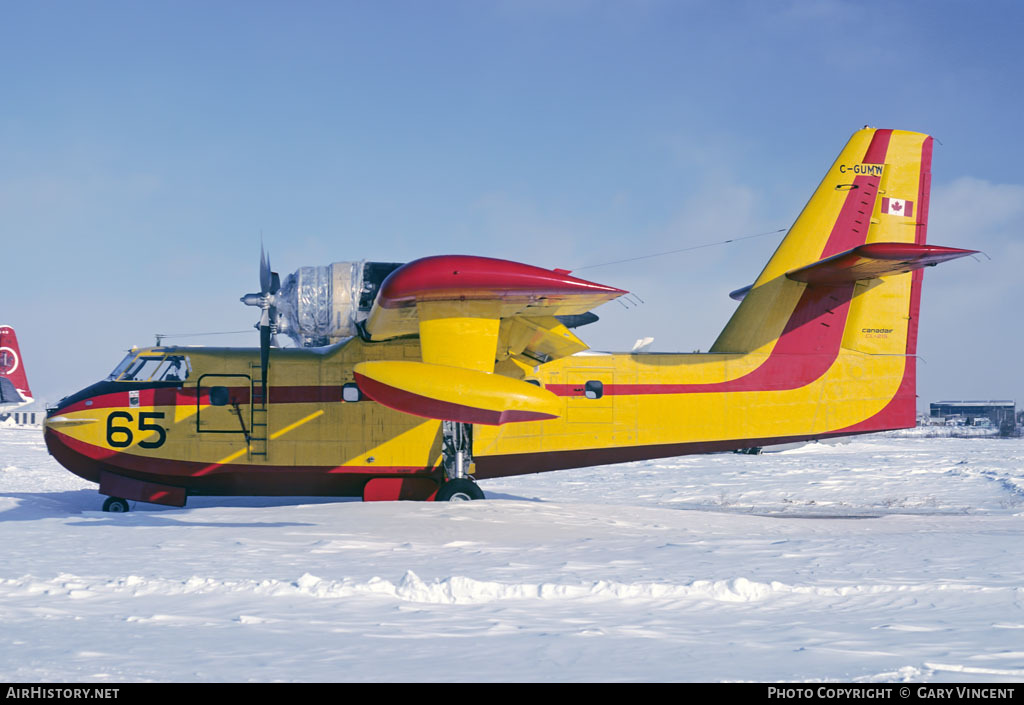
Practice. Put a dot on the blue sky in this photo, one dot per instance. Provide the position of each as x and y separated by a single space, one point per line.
147 145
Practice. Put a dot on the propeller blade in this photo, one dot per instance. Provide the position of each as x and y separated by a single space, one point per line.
270 284
265 273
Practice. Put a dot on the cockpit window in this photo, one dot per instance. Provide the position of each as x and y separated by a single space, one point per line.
121 367
151 368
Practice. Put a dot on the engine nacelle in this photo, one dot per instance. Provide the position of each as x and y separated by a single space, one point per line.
322 305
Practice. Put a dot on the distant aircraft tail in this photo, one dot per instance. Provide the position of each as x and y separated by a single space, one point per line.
843 287
14 387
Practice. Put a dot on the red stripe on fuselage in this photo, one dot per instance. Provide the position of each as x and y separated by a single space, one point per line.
187 396
805 351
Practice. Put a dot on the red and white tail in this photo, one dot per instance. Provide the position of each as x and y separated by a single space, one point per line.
14 387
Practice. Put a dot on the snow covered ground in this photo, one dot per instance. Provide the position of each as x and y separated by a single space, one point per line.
881 559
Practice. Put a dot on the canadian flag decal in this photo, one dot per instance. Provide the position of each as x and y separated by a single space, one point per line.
898 206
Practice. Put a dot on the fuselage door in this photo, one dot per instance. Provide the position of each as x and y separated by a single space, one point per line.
224 404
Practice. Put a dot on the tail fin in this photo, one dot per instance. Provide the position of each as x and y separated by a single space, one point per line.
14 387
843 287
876 191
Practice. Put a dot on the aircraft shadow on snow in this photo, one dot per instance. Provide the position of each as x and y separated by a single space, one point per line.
81 503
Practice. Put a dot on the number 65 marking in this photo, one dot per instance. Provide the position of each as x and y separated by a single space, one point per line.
119 436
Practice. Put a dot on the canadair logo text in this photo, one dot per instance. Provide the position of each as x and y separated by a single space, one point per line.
876 332
861 169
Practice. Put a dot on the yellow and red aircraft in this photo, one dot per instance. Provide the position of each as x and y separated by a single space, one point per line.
425 375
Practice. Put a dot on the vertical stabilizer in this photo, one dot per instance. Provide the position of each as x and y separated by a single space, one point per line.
14 387
876 191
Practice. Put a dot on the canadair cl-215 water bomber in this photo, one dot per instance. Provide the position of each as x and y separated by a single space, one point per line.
412 381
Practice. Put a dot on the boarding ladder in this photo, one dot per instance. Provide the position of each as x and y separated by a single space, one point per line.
258 442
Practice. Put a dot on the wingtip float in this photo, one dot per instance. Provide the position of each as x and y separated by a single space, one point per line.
410 380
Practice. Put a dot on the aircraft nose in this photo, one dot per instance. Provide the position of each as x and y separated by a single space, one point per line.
66 440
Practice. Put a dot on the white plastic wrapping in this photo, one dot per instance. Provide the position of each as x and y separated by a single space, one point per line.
322 305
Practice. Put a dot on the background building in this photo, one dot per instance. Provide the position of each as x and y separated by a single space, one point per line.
31 415
999 413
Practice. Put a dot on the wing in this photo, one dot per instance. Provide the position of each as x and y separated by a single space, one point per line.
470 312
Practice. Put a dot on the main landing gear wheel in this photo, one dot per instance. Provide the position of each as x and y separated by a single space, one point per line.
459 490
457 451
115 504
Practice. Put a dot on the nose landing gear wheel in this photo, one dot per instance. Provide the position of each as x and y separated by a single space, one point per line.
115 504
459 490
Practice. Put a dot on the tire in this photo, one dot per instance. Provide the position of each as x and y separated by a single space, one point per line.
460 490
115 504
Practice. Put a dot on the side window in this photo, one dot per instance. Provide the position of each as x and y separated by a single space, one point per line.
593 389
142 369
220 396
121 367
174 369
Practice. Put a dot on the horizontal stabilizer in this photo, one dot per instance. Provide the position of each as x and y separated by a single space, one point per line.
454 393
874 260
8 393
741 293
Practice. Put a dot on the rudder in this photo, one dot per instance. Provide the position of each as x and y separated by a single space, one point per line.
12 370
